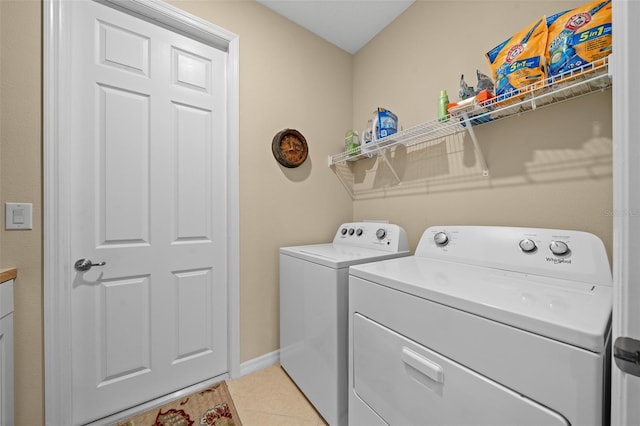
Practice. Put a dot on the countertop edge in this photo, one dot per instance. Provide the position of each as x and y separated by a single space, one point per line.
8 274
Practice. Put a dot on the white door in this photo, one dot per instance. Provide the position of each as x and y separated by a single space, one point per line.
625 392
148 170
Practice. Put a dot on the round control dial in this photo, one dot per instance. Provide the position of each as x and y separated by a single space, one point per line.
441 239
351 231
381 233
559 248
528 245
359 232
343 231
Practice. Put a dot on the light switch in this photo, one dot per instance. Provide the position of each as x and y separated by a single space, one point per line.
18 216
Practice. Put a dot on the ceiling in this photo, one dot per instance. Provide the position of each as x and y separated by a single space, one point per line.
348 24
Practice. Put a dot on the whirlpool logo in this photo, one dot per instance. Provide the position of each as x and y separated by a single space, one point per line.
557 261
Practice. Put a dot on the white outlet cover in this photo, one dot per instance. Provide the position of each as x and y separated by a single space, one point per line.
18 216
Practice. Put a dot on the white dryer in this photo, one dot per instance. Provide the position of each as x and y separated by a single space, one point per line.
483 326
314 304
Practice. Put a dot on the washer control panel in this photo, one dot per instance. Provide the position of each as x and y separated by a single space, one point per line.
556 247
377 235
573 255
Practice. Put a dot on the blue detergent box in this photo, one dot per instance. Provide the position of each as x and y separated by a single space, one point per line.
385 124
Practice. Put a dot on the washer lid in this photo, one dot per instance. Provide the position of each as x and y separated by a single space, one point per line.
568 311
338 255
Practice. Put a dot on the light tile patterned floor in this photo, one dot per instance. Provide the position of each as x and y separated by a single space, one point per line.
269 397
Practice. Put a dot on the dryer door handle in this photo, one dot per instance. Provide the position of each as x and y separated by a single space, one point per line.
423 365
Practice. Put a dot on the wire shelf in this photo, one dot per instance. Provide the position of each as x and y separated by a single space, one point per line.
588 79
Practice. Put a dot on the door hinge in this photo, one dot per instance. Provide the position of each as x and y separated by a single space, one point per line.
626 353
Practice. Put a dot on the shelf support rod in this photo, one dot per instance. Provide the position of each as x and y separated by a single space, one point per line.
476 146
350 191
383 154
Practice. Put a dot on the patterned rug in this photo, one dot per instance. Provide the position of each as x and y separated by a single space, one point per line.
209 407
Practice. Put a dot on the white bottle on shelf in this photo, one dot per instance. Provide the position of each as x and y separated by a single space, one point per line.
368 141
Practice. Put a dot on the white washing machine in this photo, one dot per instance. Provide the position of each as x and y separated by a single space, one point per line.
314 304
483 326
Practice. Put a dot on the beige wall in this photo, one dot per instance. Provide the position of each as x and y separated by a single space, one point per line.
21 181
548 168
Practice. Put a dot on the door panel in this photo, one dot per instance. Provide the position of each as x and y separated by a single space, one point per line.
148 191
193 293
191 71
192 161
123 48
122 166
123 318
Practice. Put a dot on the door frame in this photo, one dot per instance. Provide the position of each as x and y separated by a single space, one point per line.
626 204
56 183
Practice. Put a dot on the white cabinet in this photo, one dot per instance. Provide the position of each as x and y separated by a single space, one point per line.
6 353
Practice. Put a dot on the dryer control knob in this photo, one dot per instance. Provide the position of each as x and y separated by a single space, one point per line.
359 232
559 248
441 239
528 245
343 231
351 231
381 233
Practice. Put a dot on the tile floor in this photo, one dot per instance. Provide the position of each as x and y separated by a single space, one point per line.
269 397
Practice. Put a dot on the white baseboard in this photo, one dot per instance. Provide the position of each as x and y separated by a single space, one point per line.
259 363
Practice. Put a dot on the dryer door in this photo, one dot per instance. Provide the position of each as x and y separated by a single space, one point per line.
406 383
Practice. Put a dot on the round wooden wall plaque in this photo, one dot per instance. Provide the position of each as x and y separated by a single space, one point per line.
289 148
